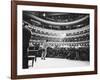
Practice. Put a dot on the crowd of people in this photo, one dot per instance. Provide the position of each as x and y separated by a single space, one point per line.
73 53
69 53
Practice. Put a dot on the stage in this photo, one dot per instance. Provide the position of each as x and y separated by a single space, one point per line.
57 63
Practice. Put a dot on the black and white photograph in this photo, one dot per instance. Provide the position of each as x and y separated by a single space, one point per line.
50 40
55 39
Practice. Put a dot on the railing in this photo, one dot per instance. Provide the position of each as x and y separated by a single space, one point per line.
55 23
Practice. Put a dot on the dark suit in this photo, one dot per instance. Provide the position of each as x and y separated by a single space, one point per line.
26 38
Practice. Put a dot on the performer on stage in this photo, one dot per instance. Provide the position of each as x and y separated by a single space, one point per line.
44 52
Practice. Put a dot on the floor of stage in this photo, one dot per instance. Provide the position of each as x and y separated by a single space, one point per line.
57 63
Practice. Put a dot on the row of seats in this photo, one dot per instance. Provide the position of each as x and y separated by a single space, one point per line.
65 39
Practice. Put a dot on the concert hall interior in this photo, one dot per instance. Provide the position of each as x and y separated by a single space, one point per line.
55 36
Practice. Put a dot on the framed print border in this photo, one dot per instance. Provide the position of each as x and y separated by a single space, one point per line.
14 45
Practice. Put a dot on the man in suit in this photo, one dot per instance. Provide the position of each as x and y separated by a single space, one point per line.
26 38
44 52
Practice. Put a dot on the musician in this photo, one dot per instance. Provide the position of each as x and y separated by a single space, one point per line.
44 51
